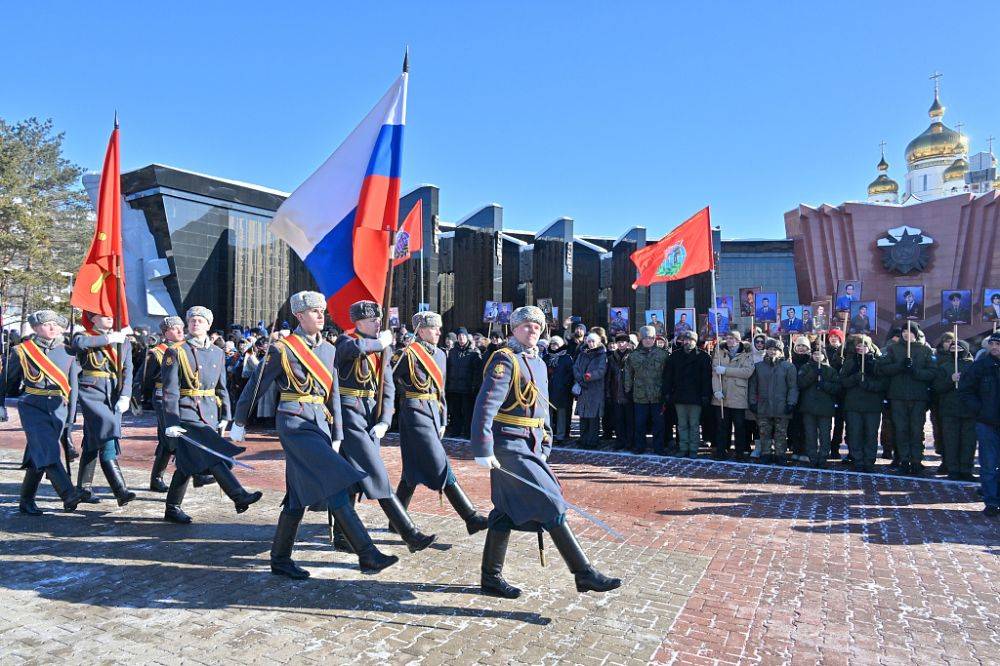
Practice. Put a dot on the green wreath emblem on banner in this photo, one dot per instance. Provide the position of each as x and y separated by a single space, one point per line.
673 260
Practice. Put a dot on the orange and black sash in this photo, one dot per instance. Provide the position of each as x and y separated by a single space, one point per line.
29 350
310 361
416 350
374 363
159 350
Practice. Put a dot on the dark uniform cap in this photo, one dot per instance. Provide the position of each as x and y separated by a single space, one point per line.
365 310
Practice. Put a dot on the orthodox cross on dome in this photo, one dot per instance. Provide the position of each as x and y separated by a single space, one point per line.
959 125
990 142
934 77
882 144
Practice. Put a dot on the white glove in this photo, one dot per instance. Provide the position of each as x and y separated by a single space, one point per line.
379 429
128 331
386 338
719 395
237 433
115 337
488 462
720 369
336 445
545 457
123 404
222 426
173 431
441 432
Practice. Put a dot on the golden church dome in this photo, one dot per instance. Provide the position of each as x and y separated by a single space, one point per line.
937 108
883 185
957 170
937 141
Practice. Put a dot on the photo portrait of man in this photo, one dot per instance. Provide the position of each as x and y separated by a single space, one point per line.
956 307
491 312
909 302
991 305
718 321
654 318
807 321
848 292
862 317
791 322
765 307
683 320
821 316
748 302
619 320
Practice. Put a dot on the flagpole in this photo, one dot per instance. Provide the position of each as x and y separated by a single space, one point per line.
118 296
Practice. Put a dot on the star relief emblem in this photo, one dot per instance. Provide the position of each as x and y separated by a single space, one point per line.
905 250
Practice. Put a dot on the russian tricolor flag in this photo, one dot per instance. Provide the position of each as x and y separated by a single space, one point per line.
341 220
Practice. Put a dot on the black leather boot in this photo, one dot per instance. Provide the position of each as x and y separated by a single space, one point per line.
281 547
233 489
588 579
85 477
370 558
113 473
340 541
494 552
474 521
175 495
398 517
29 488
203 480
404 492
160 462
64 486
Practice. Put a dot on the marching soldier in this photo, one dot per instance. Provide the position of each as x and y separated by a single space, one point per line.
196 404
47 407
359 370
511 431
310 431
172 329
419 371
103 402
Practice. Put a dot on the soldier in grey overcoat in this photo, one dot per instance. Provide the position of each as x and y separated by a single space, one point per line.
103 402
511 431
196 405
172 329
310 430
47 407
420 372
360 367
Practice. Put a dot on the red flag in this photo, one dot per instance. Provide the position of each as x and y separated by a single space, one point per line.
685 251
100 282
410 237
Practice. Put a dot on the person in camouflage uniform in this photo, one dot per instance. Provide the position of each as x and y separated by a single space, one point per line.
773 394
644 380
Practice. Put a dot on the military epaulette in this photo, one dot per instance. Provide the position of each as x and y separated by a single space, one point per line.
506 351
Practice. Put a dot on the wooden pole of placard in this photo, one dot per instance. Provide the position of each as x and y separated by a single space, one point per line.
844 344
955 330
909 329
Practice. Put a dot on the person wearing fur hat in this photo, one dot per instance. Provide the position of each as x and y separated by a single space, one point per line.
619 399
103 402
588 372
819 386
644 382
772 396
196 405
864 392
731 372
363 372
559 364
511 431
421 376
958 423
172 329
687 385
47 407
310 430
910 375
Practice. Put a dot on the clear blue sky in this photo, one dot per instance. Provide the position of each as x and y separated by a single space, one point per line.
615 114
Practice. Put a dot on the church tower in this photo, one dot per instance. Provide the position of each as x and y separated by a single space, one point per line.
883 190
937 159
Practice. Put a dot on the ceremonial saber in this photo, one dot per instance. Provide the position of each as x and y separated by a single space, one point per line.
597 521
216 453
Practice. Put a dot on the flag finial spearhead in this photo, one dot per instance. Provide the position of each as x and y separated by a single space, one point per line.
116 118
406 60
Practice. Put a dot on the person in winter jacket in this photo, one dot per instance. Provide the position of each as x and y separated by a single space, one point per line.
819 385
620 399
560 370
773 394
801 355
588 372
644 380
756 355
687 384
462 378
910 377
979 389
958 423
864 393
835 356
732 368
943 348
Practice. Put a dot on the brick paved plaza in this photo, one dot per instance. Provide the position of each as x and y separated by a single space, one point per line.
722 563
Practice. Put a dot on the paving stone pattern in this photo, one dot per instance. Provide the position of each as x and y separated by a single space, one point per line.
722 563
